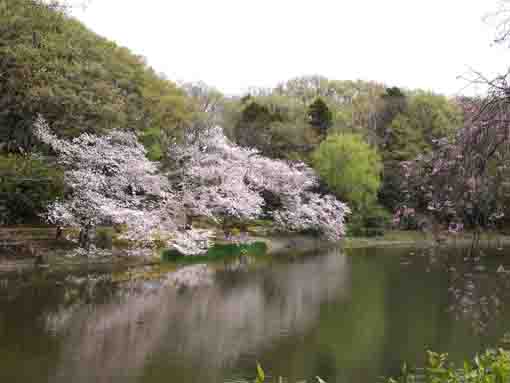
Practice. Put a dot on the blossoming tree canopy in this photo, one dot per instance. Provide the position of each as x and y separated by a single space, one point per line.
113 182
225 180
463 179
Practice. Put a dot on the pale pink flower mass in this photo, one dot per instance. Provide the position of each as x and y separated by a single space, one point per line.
113 182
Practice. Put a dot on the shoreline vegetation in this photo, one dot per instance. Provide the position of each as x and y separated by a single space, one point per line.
22 246
396 238
29 246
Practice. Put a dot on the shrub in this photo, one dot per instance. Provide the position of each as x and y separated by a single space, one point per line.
370 222
27 184
493 366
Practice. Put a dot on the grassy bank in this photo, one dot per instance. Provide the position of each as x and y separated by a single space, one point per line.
421 239
217 252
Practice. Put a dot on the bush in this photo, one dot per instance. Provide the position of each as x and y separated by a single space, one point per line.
27 185
369 222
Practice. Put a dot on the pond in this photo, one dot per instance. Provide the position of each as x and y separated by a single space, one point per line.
346 316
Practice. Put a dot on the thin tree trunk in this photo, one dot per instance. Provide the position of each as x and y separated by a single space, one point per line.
59 233
85 239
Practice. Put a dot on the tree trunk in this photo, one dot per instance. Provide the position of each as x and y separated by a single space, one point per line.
226 229
189 222
59 233
85 239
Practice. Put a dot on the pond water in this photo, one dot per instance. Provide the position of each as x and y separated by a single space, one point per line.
346 316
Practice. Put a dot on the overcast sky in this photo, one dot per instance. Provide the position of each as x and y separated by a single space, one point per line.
235 44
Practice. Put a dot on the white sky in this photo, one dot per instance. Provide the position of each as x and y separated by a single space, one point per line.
235 44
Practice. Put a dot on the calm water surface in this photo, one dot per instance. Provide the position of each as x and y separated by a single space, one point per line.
347 317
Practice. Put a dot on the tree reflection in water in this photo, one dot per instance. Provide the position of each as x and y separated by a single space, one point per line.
200 317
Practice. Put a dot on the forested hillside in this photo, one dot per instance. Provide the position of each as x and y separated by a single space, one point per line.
52 64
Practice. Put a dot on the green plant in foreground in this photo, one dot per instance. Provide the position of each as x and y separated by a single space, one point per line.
261 376
493 366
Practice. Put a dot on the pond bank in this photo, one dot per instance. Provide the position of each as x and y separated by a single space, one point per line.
27 247
23 238
419 239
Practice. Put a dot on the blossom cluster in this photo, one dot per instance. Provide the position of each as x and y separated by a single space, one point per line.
463 178
226 180
111 181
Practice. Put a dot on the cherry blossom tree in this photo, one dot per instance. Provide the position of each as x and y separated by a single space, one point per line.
111 181
223 181
461 180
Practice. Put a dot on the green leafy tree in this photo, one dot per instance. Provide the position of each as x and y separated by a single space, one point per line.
350 167
320 117
423 118
273 124
393 102
434 115
404 141
253 128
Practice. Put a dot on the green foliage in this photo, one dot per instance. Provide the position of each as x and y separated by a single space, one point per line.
104 238
371 221
493 366
285 122
434 115
261 377
405 142
275 125
51 64
350 167
391 194
320 116
299 108
27 184
425 117
218 251
253 128
393 102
